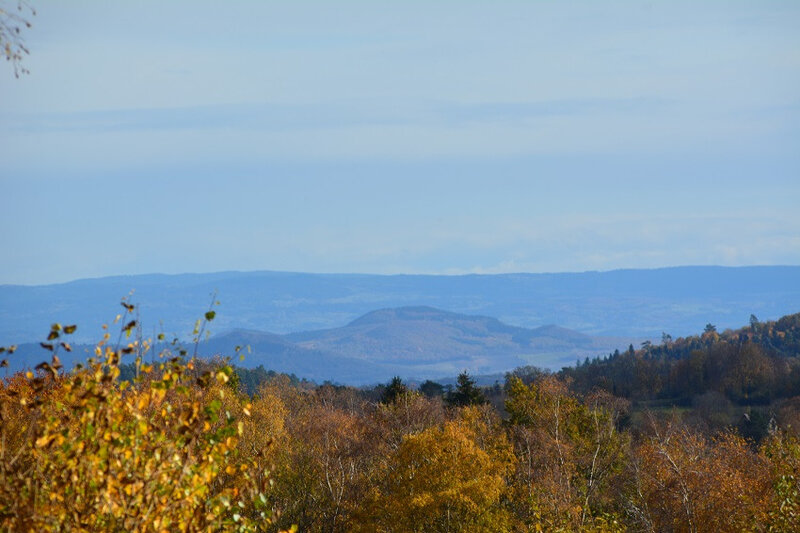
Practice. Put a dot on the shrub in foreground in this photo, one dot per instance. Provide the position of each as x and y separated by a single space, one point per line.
86 451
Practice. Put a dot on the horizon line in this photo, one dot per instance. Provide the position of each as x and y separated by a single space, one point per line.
395 274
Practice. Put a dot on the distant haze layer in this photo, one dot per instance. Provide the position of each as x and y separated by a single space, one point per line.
622 303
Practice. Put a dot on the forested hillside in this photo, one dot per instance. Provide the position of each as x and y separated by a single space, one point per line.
753 365
197 445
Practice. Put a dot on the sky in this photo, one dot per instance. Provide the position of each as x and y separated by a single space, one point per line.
400 137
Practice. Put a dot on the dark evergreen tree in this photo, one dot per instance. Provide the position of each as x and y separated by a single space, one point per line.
395 389
466 393
431 389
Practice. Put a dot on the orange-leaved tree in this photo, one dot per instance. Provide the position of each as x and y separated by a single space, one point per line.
685 481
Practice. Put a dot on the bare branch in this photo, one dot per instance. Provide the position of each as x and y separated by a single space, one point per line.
13 22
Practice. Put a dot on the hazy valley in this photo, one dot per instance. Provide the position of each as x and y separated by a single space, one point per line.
366 328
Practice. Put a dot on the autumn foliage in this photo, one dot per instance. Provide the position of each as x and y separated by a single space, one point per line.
181 447
86 451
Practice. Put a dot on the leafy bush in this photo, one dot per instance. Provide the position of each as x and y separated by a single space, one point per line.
87 451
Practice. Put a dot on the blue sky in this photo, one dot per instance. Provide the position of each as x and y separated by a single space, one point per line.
387 137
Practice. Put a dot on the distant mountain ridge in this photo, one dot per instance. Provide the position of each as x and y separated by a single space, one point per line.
425 333
631 303
413 342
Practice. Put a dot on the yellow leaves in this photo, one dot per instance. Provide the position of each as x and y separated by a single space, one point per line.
222 377
143 402
99 443
44 440
421 500
442 471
